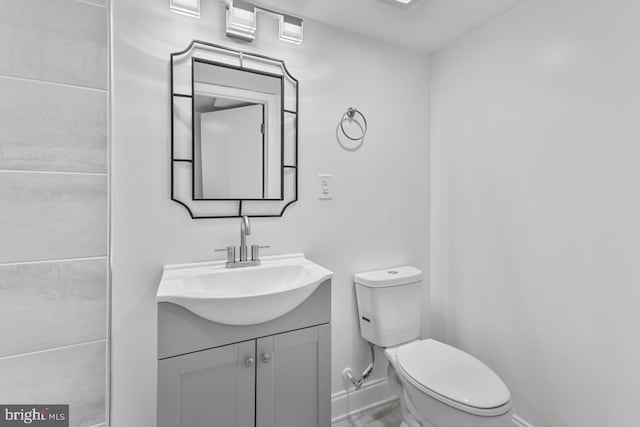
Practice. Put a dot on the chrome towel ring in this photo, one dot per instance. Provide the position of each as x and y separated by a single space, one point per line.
350 115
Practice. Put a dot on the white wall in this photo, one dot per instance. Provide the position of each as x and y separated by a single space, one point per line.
536 209
379 217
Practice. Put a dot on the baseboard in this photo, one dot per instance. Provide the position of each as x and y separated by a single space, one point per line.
519 422
350 402
347 403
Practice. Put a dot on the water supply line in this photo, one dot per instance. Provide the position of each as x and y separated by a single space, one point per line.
365 374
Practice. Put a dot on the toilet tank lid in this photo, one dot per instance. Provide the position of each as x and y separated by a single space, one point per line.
395 276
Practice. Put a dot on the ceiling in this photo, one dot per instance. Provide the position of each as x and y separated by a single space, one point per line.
424 24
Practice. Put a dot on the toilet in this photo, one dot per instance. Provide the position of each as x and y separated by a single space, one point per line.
438 385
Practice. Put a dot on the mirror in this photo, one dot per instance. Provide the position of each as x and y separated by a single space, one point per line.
237 128
234 133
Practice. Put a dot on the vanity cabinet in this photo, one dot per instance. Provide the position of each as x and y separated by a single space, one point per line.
275 374
291 371
210 387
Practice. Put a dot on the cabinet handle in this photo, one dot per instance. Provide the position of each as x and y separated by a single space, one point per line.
249 361
266 357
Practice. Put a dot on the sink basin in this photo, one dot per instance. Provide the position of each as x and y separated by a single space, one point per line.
242 296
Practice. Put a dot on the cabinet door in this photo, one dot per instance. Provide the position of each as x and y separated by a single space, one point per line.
294 379
210 388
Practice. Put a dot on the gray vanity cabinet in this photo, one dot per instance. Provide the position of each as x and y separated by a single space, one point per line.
291 378
275 374
208 388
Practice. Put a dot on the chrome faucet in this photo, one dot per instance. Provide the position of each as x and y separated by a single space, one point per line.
245 230
243 261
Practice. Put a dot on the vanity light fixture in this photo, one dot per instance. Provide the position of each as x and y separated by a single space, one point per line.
291 29
186 7
241 20
404 1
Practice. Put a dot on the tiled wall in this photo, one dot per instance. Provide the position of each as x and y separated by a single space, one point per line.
54 205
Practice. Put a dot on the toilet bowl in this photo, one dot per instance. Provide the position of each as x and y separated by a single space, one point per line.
444 386
438 385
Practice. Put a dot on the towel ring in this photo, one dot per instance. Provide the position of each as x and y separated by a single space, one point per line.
350 114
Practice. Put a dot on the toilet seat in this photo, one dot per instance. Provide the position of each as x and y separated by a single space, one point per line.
453 377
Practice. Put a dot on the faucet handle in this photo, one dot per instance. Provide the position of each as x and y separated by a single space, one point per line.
231 253
255 251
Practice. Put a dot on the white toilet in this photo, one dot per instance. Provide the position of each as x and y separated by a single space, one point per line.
438 385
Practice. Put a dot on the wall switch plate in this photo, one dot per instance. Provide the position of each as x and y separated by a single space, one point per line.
326 186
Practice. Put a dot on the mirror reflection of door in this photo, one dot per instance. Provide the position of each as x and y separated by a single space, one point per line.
237 133
229 138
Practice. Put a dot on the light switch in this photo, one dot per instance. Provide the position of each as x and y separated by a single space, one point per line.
326 186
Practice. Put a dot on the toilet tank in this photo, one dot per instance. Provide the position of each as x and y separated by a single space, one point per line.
389 305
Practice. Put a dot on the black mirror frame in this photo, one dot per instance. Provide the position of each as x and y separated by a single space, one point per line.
182 166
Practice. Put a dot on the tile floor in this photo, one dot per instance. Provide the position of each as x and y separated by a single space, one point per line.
382 416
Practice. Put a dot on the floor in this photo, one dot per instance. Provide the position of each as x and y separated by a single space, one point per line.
382 416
